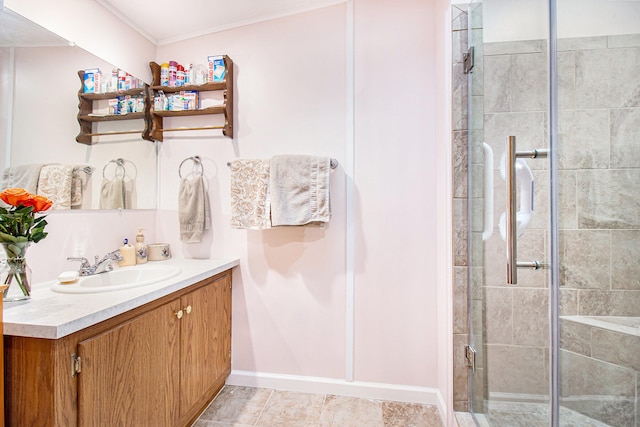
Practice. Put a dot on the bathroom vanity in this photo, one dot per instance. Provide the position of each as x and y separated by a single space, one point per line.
154 355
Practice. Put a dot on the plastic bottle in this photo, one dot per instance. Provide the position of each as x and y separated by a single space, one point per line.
180 75
190 75
141 248
164 74
173 69
128 254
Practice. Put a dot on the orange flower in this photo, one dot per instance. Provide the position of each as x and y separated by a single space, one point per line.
39 203
15 196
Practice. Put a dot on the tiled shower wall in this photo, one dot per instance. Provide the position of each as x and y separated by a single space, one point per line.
599 167
599 128
460 220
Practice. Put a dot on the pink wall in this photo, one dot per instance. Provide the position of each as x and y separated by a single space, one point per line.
289 293
395 179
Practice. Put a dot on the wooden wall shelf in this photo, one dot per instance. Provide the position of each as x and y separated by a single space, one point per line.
226 109
86 116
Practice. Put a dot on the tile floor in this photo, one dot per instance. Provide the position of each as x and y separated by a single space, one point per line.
247 406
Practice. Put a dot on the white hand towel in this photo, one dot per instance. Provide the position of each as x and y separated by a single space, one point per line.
299 190
113 194
193 210
250 205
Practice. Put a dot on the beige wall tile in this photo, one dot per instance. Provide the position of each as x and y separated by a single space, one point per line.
608 198
460 369
528 82
598 76
585 259
625 138
460 300
583 139
460 167
514 369
617 348
531 317
575 337
498 312
625 268
460 230
608 303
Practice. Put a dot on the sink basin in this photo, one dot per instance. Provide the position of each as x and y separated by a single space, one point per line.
122 278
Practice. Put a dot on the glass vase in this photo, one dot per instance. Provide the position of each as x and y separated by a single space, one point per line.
15 273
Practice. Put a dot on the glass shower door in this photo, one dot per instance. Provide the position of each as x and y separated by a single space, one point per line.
509 322
599 217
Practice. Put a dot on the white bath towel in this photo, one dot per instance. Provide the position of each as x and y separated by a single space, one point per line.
193 209
55 183
299 190
250 201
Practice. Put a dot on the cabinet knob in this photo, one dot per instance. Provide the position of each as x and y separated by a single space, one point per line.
187 309
179 314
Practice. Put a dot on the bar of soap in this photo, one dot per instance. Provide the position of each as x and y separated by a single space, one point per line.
68 277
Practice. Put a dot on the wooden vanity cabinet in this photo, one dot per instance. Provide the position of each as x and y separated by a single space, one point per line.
158 365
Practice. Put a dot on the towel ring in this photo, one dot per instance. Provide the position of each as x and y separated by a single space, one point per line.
120 168
197 163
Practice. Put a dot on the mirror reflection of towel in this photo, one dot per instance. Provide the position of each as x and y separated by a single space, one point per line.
193 210
22 176
55 183
116 193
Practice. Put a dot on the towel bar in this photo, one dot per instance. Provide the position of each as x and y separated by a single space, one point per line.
334 163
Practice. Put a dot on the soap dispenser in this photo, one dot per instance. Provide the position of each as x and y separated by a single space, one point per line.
128 254
141 248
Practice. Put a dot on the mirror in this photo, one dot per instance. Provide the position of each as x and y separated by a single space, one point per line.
39 86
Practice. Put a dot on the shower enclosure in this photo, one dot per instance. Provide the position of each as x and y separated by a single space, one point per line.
554 212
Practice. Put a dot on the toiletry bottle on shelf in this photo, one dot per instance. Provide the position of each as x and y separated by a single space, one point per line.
128 254
141 248
164 74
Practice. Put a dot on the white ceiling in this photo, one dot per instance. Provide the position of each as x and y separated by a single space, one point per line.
166 21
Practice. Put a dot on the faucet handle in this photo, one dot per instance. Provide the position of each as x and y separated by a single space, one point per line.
115 255
84 262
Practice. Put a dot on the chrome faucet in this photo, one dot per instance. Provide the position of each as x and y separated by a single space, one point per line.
101 266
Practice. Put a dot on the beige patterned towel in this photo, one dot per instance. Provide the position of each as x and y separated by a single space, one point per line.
299 189
194 212
55 183
250 202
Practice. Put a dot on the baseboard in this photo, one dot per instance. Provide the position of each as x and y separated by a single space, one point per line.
366 390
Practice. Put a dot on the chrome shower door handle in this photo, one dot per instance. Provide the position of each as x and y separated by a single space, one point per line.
511 226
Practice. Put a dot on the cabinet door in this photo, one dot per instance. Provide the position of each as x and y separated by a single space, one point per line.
130 373
206 341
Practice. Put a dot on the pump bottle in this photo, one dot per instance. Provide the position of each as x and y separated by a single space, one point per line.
141 248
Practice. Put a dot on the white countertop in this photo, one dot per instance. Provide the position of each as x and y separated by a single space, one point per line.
54 315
